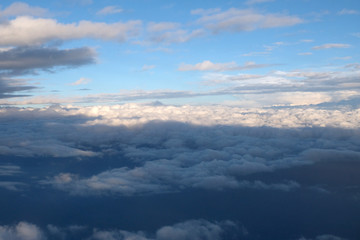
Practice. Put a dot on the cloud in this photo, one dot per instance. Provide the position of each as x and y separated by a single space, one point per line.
109 10
9 86
22 231
11 186
23 9
201 11
324 237
28 60
209 66
9 170
147 67
251 2
27 31
348 12
21 60
305 53
238 20
331 45
190 229
81 81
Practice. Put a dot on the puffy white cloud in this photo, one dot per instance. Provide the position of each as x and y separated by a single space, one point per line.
109 10
25 31
238 20
22 231
331 45
209 66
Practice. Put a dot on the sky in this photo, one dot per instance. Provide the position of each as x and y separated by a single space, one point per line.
178 120
244 53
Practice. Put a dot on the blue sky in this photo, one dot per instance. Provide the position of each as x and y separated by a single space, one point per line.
246 53
163 120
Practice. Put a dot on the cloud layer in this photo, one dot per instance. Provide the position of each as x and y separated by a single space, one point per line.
172 148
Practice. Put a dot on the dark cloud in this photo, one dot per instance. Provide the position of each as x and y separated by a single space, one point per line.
28 60
24 59
191 229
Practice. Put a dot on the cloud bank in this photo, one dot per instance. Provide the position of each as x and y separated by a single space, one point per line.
172 148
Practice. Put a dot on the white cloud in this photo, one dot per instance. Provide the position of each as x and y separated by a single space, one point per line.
22 9
209 66
81 81
238 20
173 148
25 31
154 27
22 231
348 12
109 10
331 45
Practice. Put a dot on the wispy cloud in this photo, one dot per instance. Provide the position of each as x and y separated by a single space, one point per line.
110 10
331 45
210 66
238 20
348 12
81 81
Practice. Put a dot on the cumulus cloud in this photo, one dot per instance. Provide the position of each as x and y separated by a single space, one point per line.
21 231
109 10
209 66
173 148
21 8
238 20
27 31
331 45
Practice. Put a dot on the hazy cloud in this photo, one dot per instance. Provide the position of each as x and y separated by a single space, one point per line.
21 9
348 12
209 66
238 20
250 2
109 10
331 45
